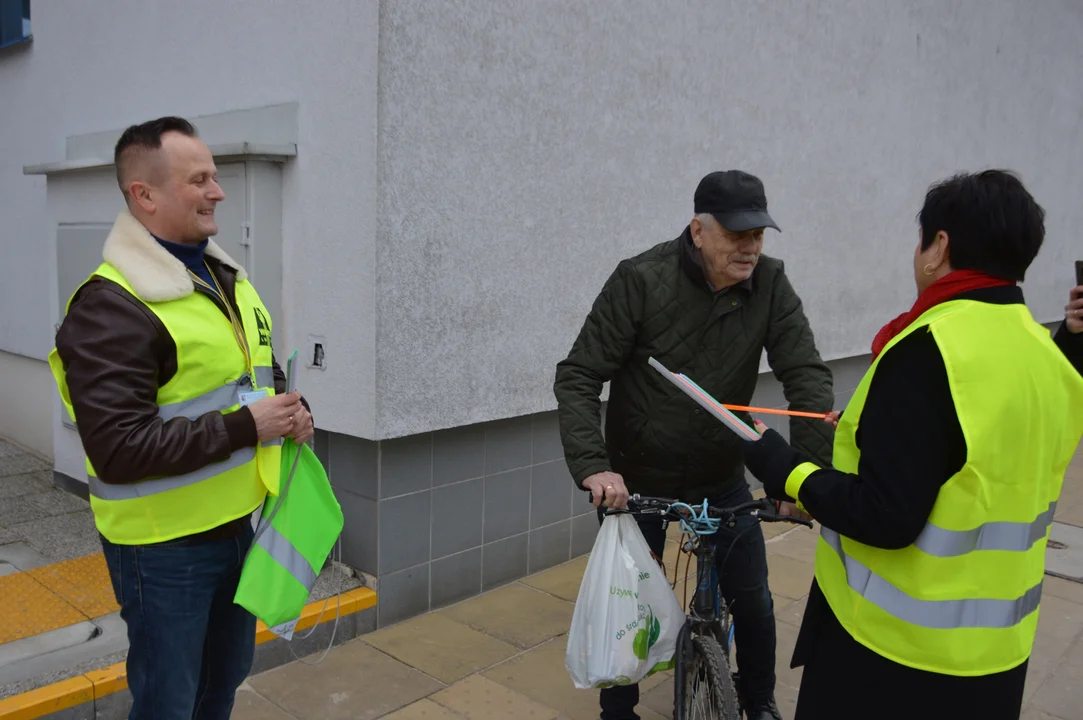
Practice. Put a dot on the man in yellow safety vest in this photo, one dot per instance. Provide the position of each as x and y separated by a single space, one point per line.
164 362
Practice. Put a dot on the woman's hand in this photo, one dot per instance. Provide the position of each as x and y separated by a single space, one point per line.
832 418
771 459
791 510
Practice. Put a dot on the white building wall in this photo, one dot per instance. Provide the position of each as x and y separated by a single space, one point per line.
447 246
526 147
101 66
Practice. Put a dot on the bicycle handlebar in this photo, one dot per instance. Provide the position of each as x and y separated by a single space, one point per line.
764 509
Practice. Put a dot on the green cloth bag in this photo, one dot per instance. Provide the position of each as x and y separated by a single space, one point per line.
296 533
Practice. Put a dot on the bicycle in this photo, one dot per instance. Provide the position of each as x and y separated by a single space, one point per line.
704 685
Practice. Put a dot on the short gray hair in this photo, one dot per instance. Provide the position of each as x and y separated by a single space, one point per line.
707 220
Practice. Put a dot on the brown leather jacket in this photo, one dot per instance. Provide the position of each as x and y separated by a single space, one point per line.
116 354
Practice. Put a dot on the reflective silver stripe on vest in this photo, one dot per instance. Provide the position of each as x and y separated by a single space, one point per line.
285 554
107 491
936 614
220 398
1014 536
217 399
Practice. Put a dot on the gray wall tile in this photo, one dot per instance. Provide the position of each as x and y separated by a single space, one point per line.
359 531
403 594
321 444
550 493
584 530
404 532
456 517
546 433
848 373
503 561
549 546
507 504
508 444
352 464
581 502
458 454
456 577
768 392
405 465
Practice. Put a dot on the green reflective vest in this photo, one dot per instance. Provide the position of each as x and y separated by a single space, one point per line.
212 372
963 598
296 534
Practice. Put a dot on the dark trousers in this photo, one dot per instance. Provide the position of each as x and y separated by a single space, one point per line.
743 582
190 646
842 679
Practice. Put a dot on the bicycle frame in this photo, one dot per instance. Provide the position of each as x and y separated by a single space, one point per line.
707 611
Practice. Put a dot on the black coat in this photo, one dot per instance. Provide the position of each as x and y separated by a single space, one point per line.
659 304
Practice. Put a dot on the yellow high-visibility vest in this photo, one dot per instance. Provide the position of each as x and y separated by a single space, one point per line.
963 599
212 373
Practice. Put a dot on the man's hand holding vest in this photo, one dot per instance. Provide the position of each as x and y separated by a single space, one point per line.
302 430
276 416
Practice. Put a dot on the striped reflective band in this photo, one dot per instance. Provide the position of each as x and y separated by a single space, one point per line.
936 614
1018 537
128 491
285 554
106 491
220 398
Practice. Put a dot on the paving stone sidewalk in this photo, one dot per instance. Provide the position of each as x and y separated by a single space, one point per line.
501 654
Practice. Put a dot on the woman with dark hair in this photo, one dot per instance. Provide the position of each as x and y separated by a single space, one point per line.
948 462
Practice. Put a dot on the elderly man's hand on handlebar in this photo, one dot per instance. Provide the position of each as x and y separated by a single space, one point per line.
607 485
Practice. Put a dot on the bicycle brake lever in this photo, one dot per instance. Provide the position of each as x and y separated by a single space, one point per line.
772 516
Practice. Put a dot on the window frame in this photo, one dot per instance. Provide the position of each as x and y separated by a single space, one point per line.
25 33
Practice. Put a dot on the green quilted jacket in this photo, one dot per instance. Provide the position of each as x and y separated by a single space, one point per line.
659 304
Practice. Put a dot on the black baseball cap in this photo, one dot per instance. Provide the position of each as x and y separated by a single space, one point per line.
736 199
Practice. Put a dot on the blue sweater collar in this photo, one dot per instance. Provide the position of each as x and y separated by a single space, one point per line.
190 255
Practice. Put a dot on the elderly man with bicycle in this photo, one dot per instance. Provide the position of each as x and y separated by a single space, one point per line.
706 304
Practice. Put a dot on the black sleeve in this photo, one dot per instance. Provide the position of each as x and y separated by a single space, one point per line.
603 345
911 443
1071 344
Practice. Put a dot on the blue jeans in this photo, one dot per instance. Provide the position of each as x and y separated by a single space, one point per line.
743 583
190 646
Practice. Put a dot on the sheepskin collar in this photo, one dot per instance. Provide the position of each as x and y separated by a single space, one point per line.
152 271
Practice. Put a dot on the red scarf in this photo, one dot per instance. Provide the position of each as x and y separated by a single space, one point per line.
944 289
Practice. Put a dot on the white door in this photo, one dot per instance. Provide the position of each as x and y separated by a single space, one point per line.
232 213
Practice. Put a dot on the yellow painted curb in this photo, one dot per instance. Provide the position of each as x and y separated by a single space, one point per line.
99 683
351 602
49 699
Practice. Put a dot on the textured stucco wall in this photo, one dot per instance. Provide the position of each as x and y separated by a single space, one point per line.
103 65
523 148
526 147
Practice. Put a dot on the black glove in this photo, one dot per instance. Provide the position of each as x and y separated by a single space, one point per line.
772 459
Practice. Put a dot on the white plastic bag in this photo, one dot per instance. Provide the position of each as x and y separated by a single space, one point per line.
626 617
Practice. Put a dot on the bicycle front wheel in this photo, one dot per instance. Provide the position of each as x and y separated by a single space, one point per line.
708 693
